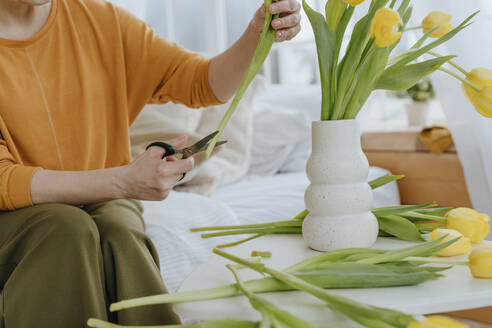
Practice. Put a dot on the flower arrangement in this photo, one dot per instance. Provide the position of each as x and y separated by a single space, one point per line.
348 79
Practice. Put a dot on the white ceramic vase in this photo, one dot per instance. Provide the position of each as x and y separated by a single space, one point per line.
339 199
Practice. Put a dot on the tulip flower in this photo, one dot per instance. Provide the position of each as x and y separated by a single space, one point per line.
385 27
353 3
482 79
481 262
437 19
459 247
470 223
436 321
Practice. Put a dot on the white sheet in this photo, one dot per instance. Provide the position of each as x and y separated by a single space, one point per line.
256 200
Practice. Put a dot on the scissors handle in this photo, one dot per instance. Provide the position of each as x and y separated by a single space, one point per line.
167 147
170 151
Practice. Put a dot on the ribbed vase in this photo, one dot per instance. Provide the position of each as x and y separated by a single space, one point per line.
339 199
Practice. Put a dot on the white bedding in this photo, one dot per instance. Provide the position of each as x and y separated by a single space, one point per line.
255 200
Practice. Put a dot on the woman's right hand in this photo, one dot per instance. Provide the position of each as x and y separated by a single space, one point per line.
149 177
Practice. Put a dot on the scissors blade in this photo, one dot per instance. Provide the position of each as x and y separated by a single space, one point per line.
202 143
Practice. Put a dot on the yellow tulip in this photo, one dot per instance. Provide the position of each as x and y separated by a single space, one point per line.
470 223
354 3
459 247
482 78
435 19
481 262
485 102
385 27
436 321
484 217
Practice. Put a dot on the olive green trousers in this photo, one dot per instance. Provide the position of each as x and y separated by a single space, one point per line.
60 265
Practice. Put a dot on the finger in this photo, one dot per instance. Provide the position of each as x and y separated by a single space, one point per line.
287 21
287 34
159 152
171 181
285 6
177 167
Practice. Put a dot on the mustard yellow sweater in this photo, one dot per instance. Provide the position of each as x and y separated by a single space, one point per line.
69 94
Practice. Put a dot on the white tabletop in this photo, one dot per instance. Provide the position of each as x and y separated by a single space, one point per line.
458 290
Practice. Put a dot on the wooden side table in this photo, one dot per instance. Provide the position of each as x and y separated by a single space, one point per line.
428 177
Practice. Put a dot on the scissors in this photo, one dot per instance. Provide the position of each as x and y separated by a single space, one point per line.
187 152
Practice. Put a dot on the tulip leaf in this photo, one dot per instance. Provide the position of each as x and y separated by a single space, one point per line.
353 59
367 78
399 227
334 10
325 44
424 38
403 7
403 78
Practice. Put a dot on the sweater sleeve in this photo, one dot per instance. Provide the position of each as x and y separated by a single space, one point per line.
15 181
159 71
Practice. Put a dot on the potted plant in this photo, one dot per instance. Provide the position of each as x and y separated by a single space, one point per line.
339 199
419 107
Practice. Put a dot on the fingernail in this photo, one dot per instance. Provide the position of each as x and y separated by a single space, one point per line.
273 9
276 23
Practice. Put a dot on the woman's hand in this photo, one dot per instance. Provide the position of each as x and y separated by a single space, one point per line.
151 178
287 25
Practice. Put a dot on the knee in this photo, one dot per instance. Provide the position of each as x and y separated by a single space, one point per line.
69 225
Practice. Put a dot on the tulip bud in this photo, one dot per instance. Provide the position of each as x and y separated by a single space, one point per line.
436 321
354 3
481 262
459 247
469 222
485 102
435 19
482 78
385 27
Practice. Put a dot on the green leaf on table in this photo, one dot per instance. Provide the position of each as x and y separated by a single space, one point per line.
399 227
403 78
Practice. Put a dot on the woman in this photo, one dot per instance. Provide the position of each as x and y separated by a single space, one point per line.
74 76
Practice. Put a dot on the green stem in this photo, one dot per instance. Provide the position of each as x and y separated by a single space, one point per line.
473 86
434 260
264 254
280 230
242 241
413 28
452 63
287 223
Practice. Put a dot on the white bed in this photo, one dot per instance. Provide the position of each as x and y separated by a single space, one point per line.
253 200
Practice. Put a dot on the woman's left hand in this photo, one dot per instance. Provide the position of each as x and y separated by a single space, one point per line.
287 25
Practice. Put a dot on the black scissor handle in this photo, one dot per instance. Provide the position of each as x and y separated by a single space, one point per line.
169 151
167 147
